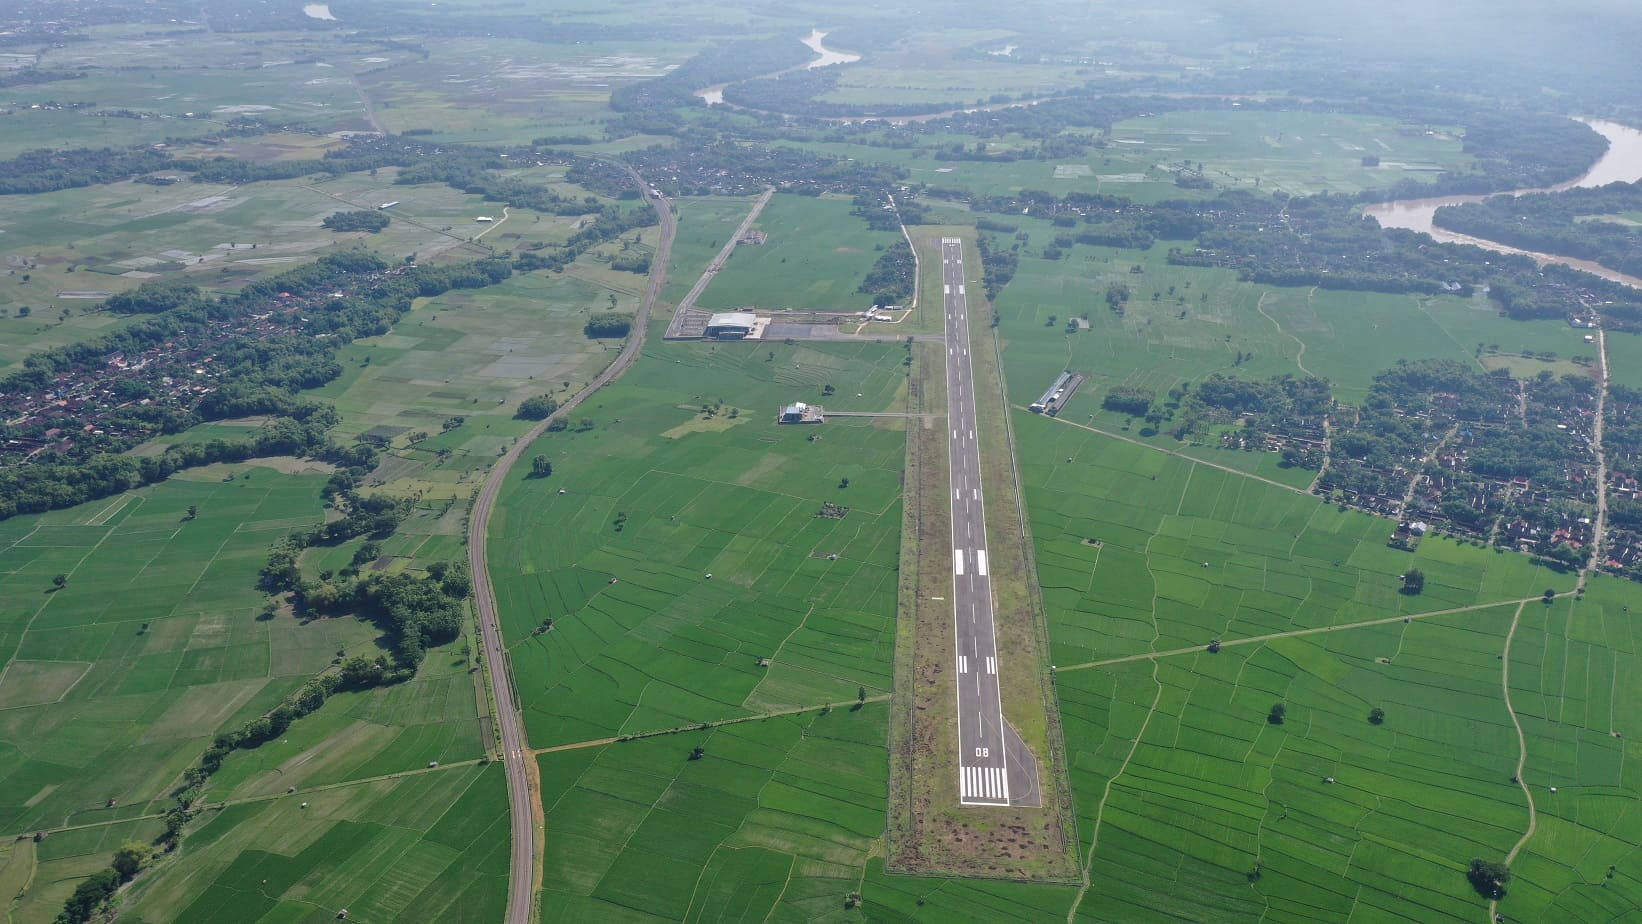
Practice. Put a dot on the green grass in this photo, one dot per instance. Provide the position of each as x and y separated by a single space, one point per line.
704 224
1188 553
102 708
1208 788
110 238
1203 318
642 638
1298 152
780 820
923 68
816 256
430 846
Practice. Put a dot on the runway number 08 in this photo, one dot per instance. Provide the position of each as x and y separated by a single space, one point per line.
982 752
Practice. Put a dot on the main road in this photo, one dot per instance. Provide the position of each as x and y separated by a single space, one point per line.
983 770
521 893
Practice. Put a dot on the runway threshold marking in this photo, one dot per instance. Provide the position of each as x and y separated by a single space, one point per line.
958 562
980 562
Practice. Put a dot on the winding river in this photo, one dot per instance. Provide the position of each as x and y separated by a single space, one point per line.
1622 163
825 57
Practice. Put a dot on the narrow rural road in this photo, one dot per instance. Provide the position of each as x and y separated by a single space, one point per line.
1295 633
1599 533
1179 455
1522 751
521 895
728 248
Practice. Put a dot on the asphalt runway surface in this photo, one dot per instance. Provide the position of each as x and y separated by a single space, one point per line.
983 766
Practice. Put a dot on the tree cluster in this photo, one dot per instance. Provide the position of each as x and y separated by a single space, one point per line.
356 220
608 325
890 281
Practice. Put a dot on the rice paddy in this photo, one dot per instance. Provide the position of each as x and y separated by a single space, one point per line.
815 256
670 566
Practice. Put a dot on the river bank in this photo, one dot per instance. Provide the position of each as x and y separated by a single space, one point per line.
1621 163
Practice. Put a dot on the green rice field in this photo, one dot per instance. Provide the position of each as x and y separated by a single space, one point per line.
816 256
779 820
673 551
419 847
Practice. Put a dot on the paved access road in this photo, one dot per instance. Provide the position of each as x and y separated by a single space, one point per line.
983 770
521 893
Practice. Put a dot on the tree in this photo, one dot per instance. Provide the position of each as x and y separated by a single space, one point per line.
540 467
698 752
536 408
89 896
368 552
356 221
1413 581
1214 647
1488 878
609 325
130 858
1275 716
193 511
843 482
1376 716
59 582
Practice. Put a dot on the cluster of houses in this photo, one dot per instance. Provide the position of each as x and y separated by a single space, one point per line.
108 403
1464 478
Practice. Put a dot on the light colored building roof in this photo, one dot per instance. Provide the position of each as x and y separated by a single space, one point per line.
733 319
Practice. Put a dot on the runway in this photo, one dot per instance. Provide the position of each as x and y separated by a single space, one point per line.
983 764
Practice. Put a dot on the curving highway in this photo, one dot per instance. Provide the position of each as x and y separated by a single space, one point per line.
521 895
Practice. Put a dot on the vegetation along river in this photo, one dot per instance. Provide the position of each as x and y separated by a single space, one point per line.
1622 163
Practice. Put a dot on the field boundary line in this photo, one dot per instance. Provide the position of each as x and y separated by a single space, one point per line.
1522 749
717 263
246 800
1179 455
1100 810
1300 355
1295 633
706 726
525 871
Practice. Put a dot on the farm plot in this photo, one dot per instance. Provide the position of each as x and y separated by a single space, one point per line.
420 847
704 224
442 388
115 683
82 244
1139 552
1194 804
1181 324
676 546
816 255
35 878
500 90
1573 675
928 67
778 819
1297 152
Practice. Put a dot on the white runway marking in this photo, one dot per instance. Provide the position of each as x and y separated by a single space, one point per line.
991 665
963 664
958 562
980 562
